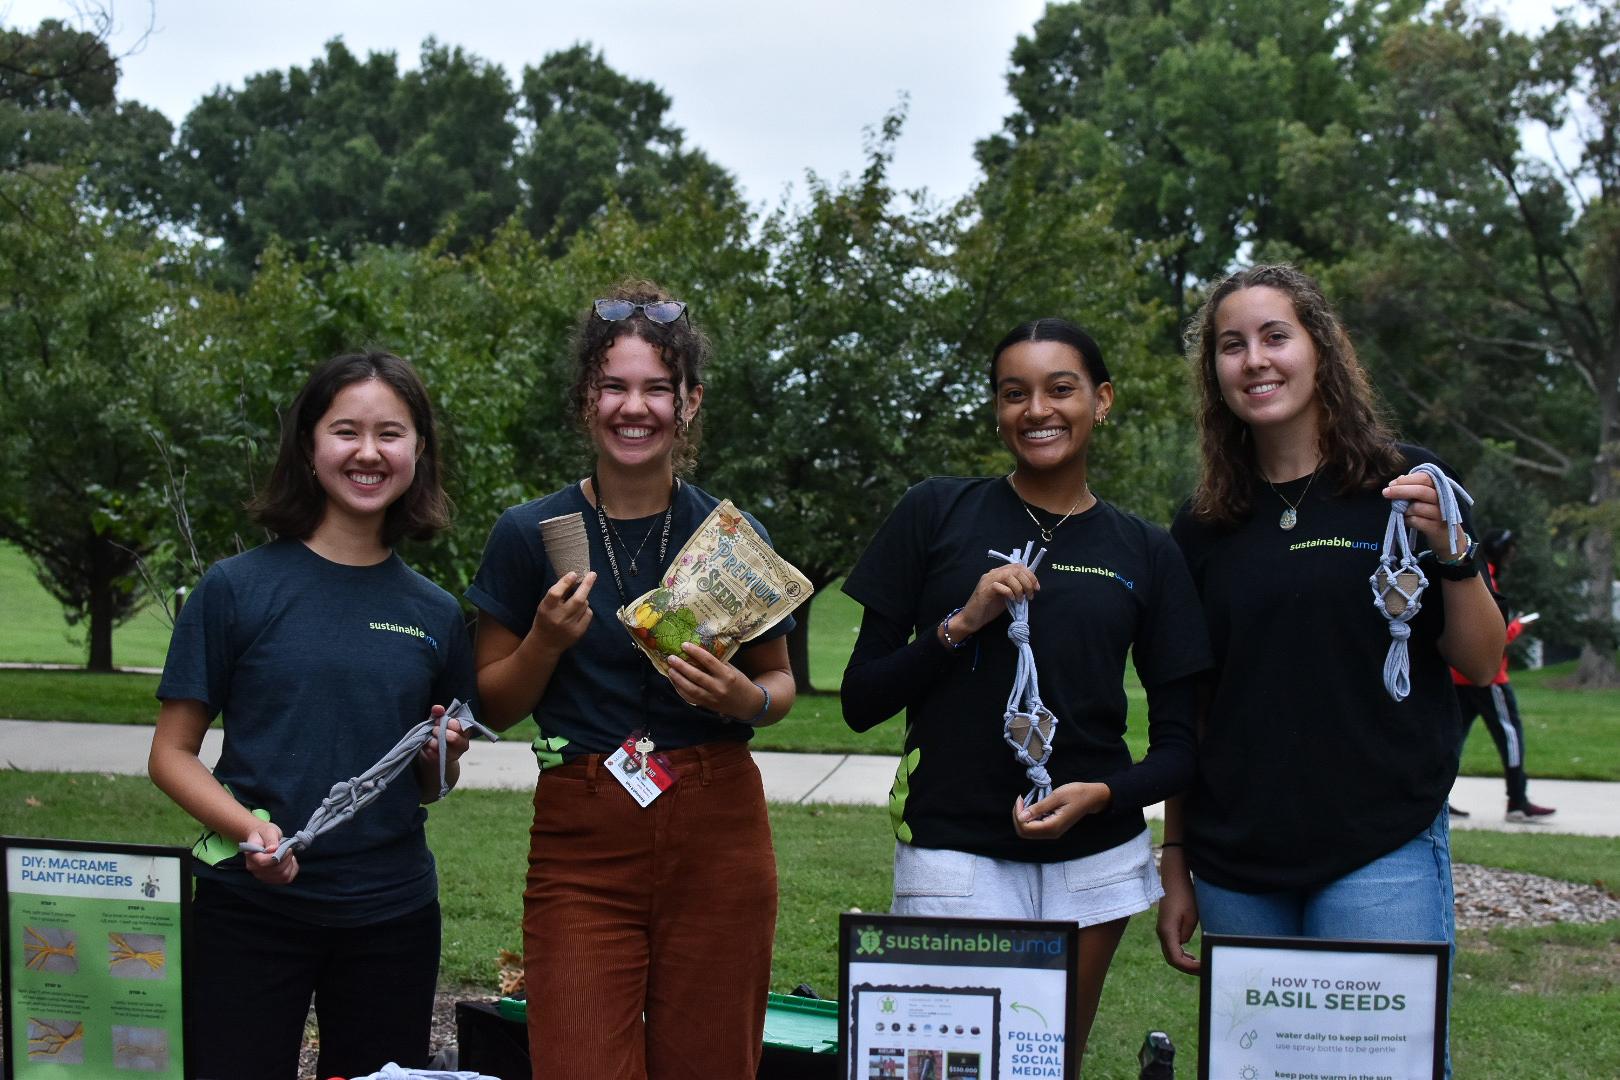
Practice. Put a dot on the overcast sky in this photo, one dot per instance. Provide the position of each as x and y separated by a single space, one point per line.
767 89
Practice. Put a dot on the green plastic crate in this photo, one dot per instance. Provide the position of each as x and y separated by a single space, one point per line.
791 1023
799 1023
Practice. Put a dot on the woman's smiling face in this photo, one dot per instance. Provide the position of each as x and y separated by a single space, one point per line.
364 450
635 403
1046 404
1265 361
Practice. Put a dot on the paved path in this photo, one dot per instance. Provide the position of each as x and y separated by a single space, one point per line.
1584 807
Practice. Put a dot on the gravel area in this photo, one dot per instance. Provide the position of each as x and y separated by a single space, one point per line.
1486 898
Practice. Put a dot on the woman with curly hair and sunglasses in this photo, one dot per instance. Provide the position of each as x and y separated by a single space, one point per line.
1319 806
647 929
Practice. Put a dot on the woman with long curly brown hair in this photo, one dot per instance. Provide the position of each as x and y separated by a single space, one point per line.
647 921
1282 535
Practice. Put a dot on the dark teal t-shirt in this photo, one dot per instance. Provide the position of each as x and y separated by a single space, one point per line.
603 687
319 669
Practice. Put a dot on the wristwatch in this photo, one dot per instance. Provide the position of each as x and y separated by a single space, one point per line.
1460 568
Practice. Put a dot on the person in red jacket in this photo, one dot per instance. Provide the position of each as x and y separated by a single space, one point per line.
1497 703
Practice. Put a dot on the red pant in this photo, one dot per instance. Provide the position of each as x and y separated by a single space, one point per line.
647 932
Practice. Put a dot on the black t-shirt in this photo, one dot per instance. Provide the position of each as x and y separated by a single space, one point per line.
319 669
1307 769
1110 583
603 686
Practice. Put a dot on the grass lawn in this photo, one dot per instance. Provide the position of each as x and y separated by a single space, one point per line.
35 631
1529 1003
1569 734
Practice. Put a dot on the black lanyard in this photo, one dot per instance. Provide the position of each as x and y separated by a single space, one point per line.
607 534
618 580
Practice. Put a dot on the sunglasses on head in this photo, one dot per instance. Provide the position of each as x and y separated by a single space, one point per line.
658 311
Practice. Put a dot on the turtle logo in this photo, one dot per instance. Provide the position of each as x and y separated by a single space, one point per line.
871 942
888 1004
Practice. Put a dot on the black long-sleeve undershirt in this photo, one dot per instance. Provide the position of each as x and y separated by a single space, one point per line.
887 672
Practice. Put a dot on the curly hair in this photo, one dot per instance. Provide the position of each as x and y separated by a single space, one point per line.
1357 445
292 501
683 348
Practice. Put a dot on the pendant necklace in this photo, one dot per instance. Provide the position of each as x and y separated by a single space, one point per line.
608 527
1046 534
1290 516
644 744
634 555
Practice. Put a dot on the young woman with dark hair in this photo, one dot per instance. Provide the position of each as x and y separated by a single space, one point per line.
647 928
321 649
1282 535
934 643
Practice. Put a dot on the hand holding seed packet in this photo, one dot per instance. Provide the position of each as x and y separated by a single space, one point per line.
724 588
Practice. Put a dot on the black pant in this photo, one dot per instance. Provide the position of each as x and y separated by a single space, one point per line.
1500 708
251 974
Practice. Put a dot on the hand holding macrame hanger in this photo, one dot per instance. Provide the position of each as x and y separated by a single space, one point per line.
1397 585
349 797
1028 726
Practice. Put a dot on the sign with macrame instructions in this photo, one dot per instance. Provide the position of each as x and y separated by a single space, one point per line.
94 950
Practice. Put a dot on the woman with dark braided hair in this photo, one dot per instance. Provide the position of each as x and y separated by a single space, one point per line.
1282 535
647 919
951 625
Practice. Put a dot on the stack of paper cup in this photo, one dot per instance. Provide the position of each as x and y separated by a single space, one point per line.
567 544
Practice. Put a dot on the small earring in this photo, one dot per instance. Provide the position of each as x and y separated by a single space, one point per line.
1101 421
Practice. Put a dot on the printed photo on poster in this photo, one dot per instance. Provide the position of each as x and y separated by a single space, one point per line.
955 999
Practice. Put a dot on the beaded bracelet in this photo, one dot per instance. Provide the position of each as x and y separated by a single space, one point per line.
945 628
763 709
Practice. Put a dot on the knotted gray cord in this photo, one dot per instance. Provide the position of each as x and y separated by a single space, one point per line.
1024 707
1404 579
348 797
391 1071
400 1072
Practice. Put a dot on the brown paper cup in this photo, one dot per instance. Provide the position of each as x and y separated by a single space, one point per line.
567 544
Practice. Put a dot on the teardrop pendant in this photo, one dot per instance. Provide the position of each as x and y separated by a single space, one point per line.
1288 520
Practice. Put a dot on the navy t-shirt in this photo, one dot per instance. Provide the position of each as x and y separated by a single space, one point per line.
1307 768
319 668
1111 585
603 686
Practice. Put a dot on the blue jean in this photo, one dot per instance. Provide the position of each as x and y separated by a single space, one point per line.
1403 896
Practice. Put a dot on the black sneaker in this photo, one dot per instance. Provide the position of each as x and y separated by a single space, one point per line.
1528 813
1457 812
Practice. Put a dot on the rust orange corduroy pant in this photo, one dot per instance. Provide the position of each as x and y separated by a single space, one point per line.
647 931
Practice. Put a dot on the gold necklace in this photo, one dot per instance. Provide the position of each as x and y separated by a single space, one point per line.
1290 516
1046 534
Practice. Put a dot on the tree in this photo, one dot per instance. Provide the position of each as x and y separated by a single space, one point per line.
84 384
59 108
1488 279
1183 106
351 152
597 137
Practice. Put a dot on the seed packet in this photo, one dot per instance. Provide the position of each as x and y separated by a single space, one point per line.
725 587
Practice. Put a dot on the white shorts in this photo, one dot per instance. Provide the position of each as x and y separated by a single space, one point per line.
1089 890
